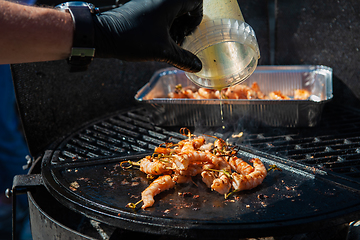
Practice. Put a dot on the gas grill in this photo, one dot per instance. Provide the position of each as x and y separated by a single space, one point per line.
80 126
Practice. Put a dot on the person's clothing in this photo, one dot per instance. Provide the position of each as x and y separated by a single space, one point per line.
13 148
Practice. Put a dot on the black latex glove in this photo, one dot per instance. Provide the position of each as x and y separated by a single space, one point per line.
149 30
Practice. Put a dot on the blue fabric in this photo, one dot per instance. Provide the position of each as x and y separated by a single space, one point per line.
27 2
13 148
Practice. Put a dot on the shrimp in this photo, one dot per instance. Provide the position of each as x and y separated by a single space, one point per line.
256 88
301 94
240 166
193 170
166 150
180 163
186 145
181 92
192 144
220 144
207 147
153 166
181 178
198 142
189 93
216 175
277 95
217 163
176 95
206 93
159 185
240 92
203 158
208 178
183 160
197 156
251 180
222 184
220 147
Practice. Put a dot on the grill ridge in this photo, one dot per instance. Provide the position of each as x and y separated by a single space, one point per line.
333 146
126 133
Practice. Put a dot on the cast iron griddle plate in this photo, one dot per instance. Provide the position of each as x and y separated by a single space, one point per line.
288 201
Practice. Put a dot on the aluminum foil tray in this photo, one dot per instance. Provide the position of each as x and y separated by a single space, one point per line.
276 113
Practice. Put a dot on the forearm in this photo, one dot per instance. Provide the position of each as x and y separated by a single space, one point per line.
33 34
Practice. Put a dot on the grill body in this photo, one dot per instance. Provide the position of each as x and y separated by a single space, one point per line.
90 158
127 133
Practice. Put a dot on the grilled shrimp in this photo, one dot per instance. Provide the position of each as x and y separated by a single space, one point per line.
153 166
182 161
202 157
181 178
251 180
166 150
188 146
193 170
222 184
191 144
220 168
240 166
206 147
159 185
220 145
208 177
198 156
194 156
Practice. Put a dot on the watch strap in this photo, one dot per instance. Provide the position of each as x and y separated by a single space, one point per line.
83 50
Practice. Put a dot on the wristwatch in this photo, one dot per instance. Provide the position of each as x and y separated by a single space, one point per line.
83 49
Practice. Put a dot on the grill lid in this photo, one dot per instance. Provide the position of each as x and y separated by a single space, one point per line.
83 172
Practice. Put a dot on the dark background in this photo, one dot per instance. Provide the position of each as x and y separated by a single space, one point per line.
54 102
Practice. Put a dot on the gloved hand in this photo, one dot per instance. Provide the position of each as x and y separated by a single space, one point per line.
149 30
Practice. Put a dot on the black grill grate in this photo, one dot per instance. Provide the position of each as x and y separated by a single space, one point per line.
90 160
333 146
123 134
